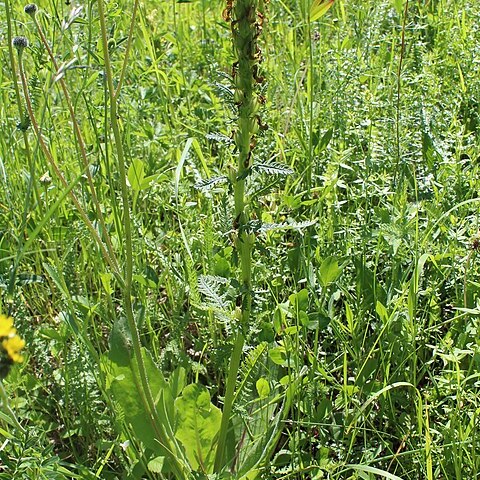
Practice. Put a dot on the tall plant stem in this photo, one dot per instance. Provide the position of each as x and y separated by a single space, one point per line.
81 145
18 99
143 387
399 91
109 260
246 25
32 185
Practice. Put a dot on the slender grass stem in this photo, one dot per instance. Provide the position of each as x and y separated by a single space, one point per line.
143 387
32 185
81 145
60 176
398 100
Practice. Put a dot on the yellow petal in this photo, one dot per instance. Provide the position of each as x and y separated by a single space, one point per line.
6 326
12 346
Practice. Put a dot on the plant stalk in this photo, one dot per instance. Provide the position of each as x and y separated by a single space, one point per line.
143 387
246 24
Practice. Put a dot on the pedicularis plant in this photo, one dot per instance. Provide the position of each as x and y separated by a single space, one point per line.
178 430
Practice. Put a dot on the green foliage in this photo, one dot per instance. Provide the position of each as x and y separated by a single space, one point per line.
360 353
196 426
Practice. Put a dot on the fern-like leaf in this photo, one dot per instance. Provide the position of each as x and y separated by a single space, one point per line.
219 137
209 183
256 226
210 285
273 168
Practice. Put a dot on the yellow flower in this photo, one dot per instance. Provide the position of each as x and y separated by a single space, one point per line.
13 345
6 326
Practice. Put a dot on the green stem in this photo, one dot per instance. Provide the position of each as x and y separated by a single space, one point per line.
143 387
246 26
6 408
59 173
228 402
30 160
81 145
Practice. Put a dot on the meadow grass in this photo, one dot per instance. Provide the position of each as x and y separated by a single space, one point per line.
360 352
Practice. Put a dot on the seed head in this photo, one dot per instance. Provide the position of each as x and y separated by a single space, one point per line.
31 9
20 43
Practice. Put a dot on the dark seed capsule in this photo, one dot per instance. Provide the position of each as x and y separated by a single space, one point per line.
31 9
20 43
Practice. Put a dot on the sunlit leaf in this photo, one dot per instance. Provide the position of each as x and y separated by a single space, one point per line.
198 424
319 8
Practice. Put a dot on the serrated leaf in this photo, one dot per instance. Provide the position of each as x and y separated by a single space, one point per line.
197 426
257 226
209 183
273 168
210 285
219 137
320 8
301 225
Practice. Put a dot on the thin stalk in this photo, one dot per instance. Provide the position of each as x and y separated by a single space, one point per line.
127 49
18 100
81 145
228 402
143 386
399 91
6 407
311 86
59 173
246 24
32 185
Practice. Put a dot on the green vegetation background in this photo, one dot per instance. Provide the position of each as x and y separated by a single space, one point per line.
370 286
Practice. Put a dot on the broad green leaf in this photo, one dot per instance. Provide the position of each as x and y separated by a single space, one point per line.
156 464
197 426
319 8
398 4
136 174
122 380
299 300
263 388
278 355
329 271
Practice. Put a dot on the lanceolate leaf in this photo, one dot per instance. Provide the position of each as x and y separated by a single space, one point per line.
319 8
